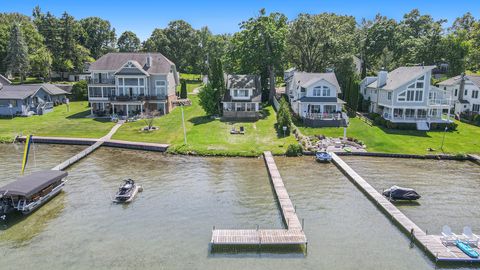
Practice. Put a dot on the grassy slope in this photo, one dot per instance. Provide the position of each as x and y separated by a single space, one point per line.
209 136
58 123
466 139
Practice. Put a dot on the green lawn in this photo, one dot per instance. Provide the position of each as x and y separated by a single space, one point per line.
466 139
208 136
58 123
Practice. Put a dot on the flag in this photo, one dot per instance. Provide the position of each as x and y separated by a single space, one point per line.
28 141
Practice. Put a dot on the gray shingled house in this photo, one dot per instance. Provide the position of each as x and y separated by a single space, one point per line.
405 95
130 84
243 97
28 99
465 92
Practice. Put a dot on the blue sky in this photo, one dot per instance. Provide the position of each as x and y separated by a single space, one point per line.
223 16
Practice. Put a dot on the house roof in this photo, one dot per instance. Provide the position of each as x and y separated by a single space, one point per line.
23 91
305 79
401 75
243 81
137 69
115 61
321 100
4 80
28 185
475 79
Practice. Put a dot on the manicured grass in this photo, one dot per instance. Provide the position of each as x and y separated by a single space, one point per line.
191 77
58 123
466 139
207 136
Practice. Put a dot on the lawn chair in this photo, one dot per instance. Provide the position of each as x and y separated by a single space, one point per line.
469 237
448 237
233 130
242 130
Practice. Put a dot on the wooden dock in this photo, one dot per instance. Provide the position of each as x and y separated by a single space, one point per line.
430 243
292 235
474 158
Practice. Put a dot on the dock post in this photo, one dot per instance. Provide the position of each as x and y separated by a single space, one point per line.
303 223
257 227
412 235
213 227
295 208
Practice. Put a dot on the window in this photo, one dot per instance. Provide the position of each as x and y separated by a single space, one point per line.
326 91
160 88
317 91
444 88
418 95
240 107
314 108
419 84
475 94
250 107
410 113
401 96
456 92
330 108
240 93
95 92
389 95
466 92
476 108
397 112
411 95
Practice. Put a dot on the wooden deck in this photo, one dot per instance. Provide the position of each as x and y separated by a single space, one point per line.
292 235
430 243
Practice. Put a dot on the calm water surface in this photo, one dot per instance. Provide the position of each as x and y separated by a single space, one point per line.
169 225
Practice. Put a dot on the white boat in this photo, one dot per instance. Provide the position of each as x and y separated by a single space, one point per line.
323 157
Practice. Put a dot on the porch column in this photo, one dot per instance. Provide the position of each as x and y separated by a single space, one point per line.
256 107
91 109
113 108
127 110
141 108
101 89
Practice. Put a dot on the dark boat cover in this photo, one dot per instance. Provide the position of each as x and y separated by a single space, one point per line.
28 185
400 193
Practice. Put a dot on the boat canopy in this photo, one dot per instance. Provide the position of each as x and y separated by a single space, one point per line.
31 184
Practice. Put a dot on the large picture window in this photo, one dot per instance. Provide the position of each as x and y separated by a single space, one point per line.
160 88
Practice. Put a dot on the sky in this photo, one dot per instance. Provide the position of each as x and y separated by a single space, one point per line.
142 17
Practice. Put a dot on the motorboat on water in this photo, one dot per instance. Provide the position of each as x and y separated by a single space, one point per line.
396 193
323 157
28 193
127 192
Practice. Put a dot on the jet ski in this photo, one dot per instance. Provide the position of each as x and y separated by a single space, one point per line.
396 193
127 192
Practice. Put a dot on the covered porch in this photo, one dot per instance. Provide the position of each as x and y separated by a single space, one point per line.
320 111
241 109
411 115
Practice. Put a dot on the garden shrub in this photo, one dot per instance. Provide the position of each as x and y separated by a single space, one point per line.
294 150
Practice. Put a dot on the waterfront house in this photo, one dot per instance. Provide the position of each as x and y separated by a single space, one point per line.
465 93
243 97
130 84
29 99
405 95
314 98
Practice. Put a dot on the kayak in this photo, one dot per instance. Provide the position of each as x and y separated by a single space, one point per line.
467 249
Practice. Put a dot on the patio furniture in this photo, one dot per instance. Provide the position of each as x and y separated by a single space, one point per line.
448 237
469 237
242 130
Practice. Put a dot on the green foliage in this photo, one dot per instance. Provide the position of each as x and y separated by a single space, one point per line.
41 63
207 99
80 90
17 53
294 150
98 36
128 42
183 89
284 118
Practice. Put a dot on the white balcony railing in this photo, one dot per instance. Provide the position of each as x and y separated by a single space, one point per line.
439 102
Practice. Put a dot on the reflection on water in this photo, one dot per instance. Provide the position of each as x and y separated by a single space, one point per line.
449 189
168 226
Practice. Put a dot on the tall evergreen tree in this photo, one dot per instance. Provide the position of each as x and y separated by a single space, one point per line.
17 53
183 89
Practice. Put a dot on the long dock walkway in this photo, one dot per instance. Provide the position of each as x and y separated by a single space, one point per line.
430 243
292 235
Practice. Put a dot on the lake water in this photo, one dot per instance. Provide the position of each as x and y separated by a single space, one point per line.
168 226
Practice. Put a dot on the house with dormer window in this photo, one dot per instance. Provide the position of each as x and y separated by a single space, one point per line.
129 84
465 91
243 97
405 95
314 98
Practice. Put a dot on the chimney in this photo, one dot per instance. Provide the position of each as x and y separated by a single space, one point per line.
462 87
149 61
382 78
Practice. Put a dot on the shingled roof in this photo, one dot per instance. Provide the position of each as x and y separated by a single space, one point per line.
23 91
305 79
115 61
475 79
401 76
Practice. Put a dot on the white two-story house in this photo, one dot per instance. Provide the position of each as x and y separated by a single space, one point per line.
314 98
243 97
465 92
129 84
405 95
